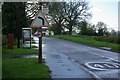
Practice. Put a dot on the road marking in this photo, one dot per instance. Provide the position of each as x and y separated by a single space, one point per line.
109 66
102 65
116 65
98 65
92 67
103 56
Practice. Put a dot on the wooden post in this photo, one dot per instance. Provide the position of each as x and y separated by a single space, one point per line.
40 50
40 46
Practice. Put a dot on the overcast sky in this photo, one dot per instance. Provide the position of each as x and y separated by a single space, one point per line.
105 11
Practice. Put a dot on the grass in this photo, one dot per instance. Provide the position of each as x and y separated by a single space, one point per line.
33 46
111 39
24 68
89 41
18 51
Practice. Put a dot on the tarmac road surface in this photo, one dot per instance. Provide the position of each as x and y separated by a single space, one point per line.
101 64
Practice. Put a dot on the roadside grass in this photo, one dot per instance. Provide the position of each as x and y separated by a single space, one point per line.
89 41
18 51
111 39
24 68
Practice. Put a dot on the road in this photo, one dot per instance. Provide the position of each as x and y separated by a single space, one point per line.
60 65
100 63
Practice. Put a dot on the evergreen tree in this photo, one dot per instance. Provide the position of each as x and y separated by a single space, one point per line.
14 18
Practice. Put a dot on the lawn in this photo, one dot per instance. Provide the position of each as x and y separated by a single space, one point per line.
23 67
18 51
89 41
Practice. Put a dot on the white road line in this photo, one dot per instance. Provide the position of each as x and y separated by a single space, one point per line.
103 56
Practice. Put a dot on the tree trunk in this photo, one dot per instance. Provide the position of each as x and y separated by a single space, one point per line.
70 30
18 38
18 28
59 29
10 40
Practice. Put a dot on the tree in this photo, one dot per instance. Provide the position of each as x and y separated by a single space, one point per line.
9 16
55 29
14 18
8 19
113 33
101 28
83 27
118 32
32 8
91 30
74 12
87 28
56 11
67 14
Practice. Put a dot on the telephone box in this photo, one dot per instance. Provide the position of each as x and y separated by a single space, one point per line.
26 37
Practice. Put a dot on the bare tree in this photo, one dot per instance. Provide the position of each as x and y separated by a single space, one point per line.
67 14
74 12
56 11
33 7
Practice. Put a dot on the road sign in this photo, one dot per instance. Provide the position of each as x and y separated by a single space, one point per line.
39 20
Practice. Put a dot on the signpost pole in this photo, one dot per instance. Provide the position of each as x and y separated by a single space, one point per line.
40 46
38 22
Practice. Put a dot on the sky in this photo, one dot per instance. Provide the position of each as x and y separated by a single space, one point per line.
105 11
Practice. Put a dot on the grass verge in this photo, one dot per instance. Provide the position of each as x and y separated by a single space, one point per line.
89 41
18 51
24 68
